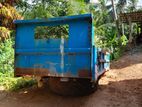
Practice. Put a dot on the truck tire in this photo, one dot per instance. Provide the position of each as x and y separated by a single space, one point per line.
73 87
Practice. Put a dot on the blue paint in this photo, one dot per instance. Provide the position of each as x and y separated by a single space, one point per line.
58 19
44 50
79 54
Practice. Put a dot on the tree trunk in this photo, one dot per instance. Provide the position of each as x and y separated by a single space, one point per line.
130 30
115 18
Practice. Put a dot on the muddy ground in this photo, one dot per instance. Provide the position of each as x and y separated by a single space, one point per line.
120 87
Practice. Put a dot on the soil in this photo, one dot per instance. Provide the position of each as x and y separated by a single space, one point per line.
119 87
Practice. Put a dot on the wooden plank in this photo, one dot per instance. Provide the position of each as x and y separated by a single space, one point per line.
134 16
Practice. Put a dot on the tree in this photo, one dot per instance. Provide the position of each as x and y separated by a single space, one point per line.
132 5
7 14
42 9
104 25
55 8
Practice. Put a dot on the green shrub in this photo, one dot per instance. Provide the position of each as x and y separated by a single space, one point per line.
7 79
13 84
6 56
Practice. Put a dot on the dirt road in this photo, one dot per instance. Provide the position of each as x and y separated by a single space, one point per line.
120 87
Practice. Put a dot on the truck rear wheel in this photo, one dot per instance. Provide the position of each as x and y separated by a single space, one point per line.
73 87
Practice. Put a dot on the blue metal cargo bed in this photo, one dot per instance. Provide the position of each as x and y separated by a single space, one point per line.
72 57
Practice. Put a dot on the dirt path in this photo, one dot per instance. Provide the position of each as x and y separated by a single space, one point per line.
120 87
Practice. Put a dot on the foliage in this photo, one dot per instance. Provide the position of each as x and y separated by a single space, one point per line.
123 40
54 8
12 84
10 2
6 56
105 27
7 15
4 33
132 5
44 32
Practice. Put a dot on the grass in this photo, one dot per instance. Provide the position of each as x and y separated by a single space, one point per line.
11 83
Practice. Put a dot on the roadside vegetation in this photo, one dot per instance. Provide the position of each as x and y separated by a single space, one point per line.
107 33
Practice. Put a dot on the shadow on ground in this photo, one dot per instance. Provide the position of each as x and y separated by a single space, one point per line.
126 93
127 60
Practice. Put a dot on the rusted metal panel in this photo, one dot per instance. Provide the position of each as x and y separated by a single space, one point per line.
84 73
31 71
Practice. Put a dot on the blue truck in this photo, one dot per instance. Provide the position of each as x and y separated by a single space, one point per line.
61 50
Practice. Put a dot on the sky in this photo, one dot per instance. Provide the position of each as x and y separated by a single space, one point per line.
140 3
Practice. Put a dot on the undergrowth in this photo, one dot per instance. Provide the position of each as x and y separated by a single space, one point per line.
14 84
7 79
